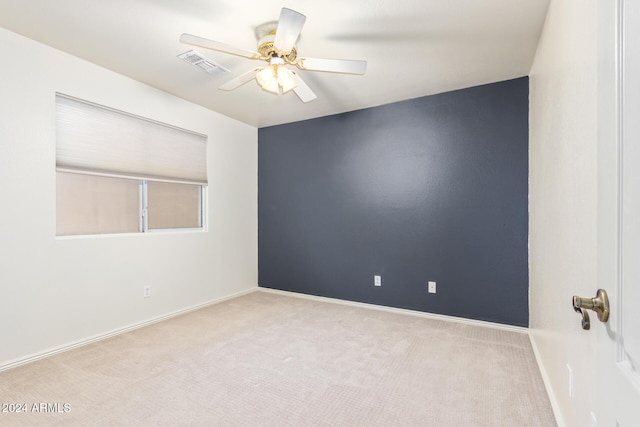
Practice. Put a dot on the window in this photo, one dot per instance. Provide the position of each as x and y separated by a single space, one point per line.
172 205
119 173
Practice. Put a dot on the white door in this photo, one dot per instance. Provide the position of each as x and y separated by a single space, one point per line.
618 369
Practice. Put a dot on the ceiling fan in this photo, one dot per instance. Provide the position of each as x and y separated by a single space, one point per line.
276 46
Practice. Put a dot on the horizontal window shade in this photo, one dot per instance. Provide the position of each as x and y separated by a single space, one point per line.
99 140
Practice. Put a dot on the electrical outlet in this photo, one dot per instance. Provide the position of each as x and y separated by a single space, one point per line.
377 280
431 287
594 419
147 291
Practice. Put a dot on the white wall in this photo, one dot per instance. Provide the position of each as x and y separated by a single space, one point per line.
563 200
58 291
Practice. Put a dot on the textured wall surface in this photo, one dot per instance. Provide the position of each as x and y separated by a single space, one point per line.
433 188
59 291
563 191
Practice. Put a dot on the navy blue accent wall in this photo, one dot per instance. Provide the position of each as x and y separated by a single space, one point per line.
433 188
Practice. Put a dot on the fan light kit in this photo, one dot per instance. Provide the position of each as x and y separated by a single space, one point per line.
276 46
276 78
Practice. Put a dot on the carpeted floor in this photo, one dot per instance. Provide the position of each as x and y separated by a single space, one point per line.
272 360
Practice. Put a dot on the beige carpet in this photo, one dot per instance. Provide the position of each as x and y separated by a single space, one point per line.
271 360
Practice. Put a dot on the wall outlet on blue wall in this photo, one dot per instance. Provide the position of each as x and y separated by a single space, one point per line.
377 280
431 287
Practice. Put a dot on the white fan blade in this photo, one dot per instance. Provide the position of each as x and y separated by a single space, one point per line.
303 91
346 66
240 80
289 27
214 45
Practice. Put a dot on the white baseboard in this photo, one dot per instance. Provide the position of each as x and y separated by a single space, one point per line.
547 383
115 332
423 314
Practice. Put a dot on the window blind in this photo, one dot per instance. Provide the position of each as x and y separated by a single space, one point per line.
98 140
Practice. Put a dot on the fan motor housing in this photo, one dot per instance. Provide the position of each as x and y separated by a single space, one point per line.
266 34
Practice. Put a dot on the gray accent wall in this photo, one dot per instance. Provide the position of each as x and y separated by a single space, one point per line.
429 189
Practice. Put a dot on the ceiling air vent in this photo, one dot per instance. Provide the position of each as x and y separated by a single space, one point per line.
194 58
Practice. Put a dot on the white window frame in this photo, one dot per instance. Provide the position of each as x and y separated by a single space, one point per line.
144 211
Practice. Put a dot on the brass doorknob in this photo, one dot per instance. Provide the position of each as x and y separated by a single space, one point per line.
599 304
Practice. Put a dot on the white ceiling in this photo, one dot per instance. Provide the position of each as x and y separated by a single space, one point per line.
413 47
